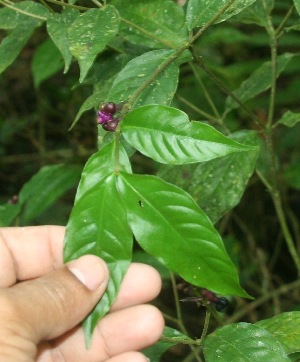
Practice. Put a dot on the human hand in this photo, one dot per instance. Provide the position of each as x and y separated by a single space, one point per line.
42 303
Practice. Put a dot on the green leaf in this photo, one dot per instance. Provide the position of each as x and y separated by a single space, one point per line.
138 71
8 18
169 225
297 5
22 29
256 13
98 225
199 12
46 186
107 70
90 33
243 342
285 327
166 135
156 24
57 27
259 81
290 119
46 62
155 352
8 213
217 185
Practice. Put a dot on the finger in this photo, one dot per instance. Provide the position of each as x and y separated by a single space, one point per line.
123 331
129 357
51 305
29 252
141 284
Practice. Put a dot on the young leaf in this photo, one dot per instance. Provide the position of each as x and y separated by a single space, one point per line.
57 27
285 327
138 71
90 33
155 352
98 225
22 29
290 119
169 225
217 185
156 24
259 81
46 186
46 53
243 342
199 12
166 135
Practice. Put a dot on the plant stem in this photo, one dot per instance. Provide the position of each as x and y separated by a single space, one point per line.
274 188
8 5
68 5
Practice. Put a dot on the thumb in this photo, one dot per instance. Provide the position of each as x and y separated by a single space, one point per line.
48 306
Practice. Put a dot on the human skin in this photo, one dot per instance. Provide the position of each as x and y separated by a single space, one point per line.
43 301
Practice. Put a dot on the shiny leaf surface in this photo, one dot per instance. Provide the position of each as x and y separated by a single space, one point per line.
166 135
98 225
243 342
285 327
169 225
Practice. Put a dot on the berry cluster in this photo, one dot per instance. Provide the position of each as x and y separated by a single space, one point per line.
106 116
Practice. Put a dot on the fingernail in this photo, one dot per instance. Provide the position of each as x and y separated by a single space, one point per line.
90 271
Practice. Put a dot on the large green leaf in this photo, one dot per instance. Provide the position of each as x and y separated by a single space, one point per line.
259 81
57 27
285 328
169 225
22 29
166 135
157 24
155 352
46 186
217 185
98 225
90 33
138 71
243 342
199 12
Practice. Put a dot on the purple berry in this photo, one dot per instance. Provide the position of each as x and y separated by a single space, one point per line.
111 125
109 107
104 117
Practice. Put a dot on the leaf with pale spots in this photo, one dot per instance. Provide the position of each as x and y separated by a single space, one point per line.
139 71
217 185
169 225
90 33
199 12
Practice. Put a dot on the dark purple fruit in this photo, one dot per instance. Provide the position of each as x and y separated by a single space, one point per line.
111 126
221 304
109 107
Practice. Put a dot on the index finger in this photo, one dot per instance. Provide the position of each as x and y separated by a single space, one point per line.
29 252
